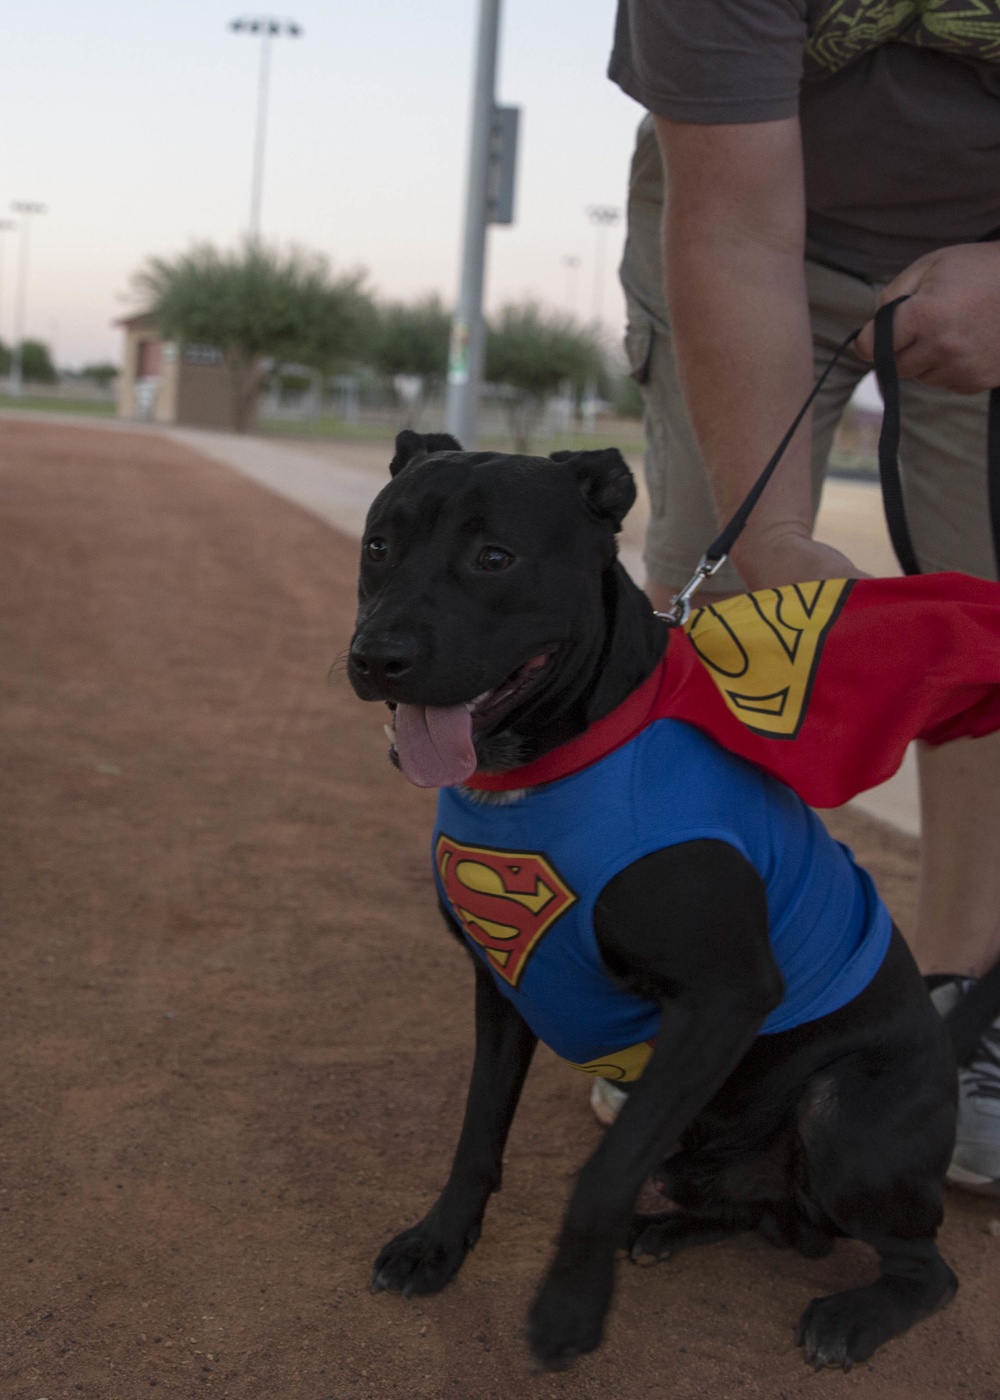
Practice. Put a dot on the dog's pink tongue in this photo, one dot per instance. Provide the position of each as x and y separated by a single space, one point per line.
434 744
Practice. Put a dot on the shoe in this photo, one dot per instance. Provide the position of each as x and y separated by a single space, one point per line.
606 1100
975 1164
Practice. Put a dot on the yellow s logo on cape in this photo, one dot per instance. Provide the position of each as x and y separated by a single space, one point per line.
762 650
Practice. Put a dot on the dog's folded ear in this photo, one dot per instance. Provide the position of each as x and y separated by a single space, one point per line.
410 444
605 481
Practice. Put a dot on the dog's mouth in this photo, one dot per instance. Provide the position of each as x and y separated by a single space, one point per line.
435 744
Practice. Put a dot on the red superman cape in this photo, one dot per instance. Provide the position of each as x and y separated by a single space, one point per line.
822 685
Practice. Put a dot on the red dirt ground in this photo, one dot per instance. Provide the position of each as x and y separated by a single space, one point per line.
235 1039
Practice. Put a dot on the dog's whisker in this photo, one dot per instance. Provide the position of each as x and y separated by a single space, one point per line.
338 667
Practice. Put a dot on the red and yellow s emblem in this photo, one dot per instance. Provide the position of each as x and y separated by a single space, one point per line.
505 900
763 650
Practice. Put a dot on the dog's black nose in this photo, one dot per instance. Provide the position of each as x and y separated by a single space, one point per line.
381 661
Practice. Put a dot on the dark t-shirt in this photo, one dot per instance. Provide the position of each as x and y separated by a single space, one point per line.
899 105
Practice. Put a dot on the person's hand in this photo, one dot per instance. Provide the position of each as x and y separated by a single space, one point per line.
789 557
948 333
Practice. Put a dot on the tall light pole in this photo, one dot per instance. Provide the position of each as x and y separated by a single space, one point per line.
26 208
6 226
602 216
268 27
572 265
465 355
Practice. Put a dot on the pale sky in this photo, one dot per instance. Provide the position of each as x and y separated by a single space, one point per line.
132 120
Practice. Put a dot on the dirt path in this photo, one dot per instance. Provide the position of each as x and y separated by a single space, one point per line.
235 1041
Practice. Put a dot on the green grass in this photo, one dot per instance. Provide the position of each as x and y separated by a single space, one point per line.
324 427
51 403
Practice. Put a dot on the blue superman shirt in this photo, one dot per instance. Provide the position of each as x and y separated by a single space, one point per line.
522 879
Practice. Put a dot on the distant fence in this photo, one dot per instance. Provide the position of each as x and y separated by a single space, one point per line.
301 400
72 390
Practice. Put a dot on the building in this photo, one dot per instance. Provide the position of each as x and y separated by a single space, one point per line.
164 382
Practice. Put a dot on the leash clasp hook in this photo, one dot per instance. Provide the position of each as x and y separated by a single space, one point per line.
680 608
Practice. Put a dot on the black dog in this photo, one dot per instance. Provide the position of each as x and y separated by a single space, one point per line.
496 620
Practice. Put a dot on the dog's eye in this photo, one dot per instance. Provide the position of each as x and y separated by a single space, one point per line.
376 549
493 559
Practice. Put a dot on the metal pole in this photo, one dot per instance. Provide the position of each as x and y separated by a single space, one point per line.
572 266
268 27
20 296
597 302
465 361
25 208
257 185
6 226
602 216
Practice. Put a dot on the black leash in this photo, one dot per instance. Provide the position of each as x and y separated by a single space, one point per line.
888 462
888 440
888 448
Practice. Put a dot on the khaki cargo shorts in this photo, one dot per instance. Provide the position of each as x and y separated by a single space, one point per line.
943 443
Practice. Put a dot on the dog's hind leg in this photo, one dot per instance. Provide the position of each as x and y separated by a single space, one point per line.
875 1149
427 1256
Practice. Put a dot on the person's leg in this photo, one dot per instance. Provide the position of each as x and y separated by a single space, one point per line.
957 929
943 463
956 938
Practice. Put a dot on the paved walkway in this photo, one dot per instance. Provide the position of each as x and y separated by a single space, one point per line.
337 482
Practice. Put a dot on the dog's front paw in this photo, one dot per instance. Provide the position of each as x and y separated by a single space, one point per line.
846 1327
421 1260
840 1329
567 1316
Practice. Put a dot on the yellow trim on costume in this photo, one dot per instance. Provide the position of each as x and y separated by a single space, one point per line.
622 1065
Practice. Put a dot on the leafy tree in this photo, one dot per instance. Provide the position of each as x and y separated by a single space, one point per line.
36 362
413 339
257 302
100 374
411 349
534 352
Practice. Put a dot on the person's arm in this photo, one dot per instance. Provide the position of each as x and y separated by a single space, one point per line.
948 333
734 248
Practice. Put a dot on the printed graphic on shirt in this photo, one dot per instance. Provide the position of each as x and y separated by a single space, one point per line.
844 30
623 1065
504 900
762 650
